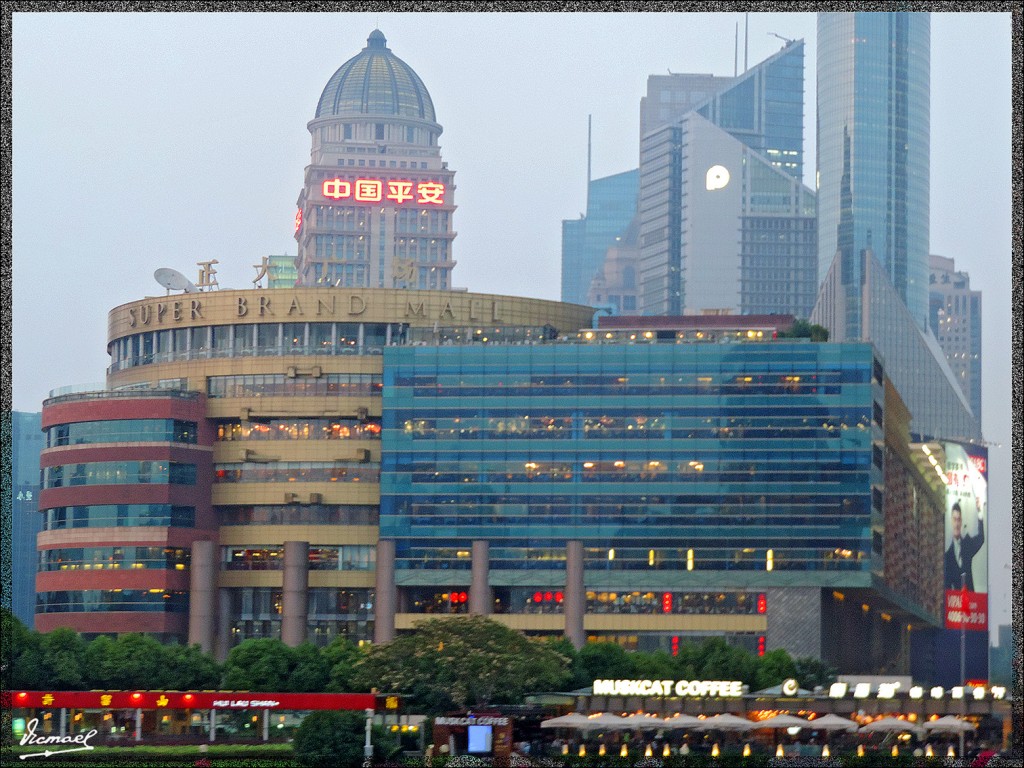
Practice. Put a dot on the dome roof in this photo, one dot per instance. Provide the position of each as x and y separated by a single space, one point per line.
376 82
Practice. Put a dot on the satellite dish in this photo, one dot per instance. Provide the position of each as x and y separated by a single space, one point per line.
173 280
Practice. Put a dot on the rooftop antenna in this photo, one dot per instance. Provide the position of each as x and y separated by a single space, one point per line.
746 38
589 118
736 51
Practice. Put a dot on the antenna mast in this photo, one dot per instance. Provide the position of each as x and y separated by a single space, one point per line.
589 117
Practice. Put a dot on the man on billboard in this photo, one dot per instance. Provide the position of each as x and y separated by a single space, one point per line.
960 555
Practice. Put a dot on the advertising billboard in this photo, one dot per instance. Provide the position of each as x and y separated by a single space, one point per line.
966 550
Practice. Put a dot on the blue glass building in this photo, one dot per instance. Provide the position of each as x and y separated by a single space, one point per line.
873 145
695 482
24 520
611 205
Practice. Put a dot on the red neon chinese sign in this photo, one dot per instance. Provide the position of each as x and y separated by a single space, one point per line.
380 190
298 220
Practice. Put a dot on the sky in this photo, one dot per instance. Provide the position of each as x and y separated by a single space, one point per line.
155 140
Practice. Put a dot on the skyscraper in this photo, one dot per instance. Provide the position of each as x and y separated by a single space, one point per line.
611 205
955 318
725 223
873 143
26 444
376 207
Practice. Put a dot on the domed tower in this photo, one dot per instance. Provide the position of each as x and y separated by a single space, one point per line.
376 207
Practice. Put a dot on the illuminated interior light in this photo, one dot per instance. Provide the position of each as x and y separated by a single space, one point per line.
611 554
689 559
770 560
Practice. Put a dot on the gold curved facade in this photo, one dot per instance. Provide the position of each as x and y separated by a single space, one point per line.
292 382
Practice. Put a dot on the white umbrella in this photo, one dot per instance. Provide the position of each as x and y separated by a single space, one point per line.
681 721
605 722
832 723
783 721
573 720
949 724
890 725
726 722
642 721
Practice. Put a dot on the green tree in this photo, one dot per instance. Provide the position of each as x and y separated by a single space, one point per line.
804 329
603 661
720 661
63 659
656 665
329 738
136 661
20 654
311 670
98 663
341 656
259 665
462 661
774 667
188 668
811 672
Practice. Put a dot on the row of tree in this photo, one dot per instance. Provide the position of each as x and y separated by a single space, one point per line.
444 664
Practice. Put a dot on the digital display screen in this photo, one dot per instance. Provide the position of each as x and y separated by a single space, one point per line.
480 737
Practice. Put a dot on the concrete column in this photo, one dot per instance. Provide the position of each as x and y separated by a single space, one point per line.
222 638
138 724
386 593
213 725
575 593
480 600
294 593
202 602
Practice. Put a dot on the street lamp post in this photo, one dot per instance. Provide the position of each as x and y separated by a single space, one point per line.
367 746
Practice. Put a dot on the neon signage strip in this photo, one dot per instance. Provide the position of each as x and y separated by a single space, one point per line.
379 190
723 688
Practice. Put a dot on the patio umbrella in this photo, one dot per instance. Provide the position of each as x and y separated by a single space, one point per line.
890 725
832 723
642 721
726 722
949 724
573 720
681 722
783 721
605 722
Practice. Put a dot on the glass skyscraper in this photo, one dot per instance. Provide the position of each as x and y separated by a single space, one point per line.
725 223
611 205
873 144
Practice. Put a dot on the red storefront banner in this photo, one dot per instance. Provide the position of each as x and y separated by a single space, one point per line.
966 610
189 700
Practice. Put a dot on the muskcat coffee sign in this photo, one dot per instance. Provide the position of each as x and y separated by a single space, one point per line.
680 688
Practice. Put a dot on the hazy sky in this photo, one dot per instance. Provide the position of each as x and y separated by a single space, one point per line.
160 140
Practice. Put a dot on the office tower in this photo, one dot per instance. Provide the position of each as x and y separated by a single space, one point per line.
376 206
955 318
281 271
26 445
873 122
615 288
725 223
873 144
611 206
